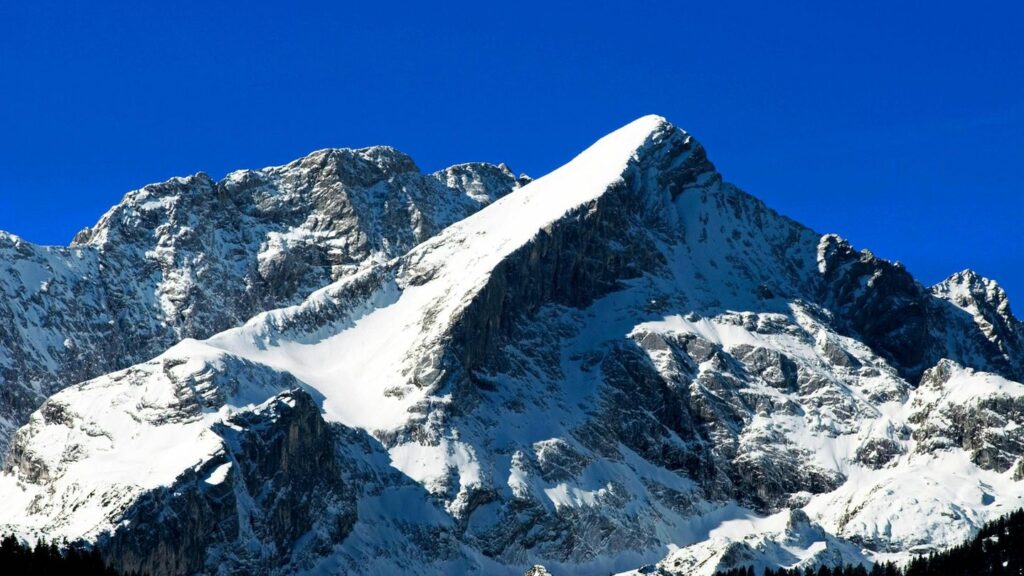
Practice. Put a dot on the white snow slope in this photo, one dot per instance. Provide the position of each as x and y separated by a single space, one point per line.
625 362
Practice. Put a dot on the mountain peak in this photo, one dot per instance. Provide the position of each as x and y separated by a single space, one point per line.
967 288
190 257
385 158
969 278
651 120
626 355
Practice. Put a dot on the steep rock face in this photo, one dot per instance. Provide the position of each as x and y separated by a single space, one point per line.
279 234
54 324
273 495
979 413
626 355
191 257
877 300
112 418
589 252
965 318
989 307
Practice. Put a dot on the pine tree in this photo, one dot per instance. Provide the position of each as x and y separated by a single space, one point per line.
48 559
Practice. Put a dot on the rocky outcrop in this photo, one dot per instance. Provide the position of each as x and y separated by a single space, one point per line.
626 356
783 540
588 252
191 257
878 301
965 318
988 307
982 414
272 496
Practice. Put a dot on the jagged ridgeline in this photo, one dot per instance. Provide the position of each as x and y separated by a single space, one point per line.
191 257
629 365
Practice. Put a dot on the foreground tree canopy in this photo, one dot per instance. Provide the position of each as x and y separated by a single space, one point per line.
48 560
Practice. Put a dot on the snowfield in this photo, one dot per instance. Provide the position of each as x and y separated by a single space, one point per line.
626 365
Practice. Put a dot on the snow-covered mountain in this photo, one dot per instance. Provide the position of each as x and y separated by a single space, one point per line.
626 365
191 257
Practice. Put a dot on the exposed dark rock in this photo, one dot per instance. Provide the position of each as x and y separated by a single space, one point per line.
661 351
277 484
966 318
877 452
190 257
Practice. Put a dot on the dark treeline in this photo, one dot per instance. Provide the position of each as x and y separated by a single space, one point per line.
48 560
997 550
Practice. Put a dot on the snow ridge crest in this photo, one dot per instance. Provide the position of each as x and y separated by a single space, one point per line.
479 373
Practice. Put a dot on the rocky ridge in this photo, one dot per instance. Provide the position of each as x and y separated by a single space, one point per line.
191 257
627 355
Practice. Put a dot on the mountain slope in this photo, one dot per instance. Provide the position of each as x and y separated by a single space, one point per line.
625 356
191 257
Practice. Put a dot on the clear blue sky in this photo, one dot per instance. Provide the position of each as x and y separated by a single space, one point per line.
899 127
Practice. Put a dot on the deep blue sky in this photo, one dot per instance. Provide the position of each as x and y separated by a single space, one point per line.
899 127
